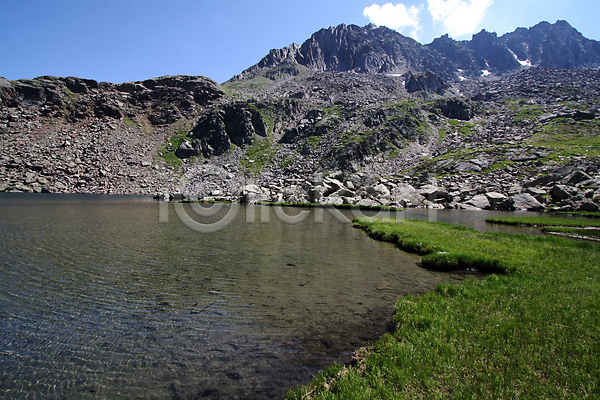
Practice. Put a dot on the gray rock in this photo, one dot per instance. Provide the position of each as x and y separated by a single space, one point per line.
379 190
161 116
345 192
537 193
188 149
559 192
430 82
315 193
252 194
589 206
541 181
479 201
495 198
576 177
433 193
467 166
516 189
332 200
367 202
521 202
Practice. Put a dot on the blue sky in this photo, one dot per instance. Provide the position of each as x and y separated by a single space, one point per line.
130 40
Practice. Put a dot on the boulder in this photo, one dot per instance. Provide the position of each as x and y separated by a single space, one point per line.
367 202
344 192
456 109
332 185
559 192
238 124
433 193
541 181
252 194
589 206
188 149
521 202
467 166
210 130
495 198
516 189
479 202
379 190
315 193
332 200
576 177
428 82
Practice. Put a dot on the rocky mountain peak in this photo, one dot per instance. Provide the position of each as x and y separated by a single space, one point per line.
373 50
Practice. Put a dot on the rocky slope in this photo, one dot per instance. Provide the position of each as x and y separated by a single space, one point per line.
353 116
79 135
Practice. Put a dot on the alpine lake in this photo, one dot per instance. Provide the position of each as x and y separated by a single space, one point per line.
122 296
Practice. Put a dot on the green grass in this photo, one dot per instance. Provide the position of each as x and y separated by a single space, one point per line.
568 138
542 221
531 333
523 110
129 122
585 214
582 233
353 136
167 150
313 141
259 155
464 128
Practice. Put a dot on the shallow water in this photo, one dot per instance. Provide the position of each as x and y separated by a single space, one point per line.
101 299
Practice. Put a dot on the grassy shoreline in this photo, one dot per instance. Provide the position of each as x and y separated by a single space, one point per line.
530 332
544 221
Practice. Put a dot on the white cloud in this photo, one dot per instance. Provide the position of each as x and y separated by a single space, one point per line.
460 17
396 17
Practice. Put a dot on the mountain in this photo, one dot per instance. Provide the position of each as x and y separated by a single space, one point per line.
372 49
354 115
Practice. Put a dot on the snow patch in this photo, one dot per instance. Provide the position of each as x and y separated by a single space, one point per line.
462 78
485 72
525 63
394 74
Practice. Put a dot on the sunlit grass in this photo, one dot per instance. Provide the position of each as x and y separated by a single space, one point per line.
530 333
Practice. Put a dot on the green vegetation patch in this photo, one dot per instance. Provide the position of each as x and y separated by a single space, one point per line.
167 150
259 155
313 141
585 214
523 110
464 128
128 121
570 137
581 233
353 136
529 334
542 221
